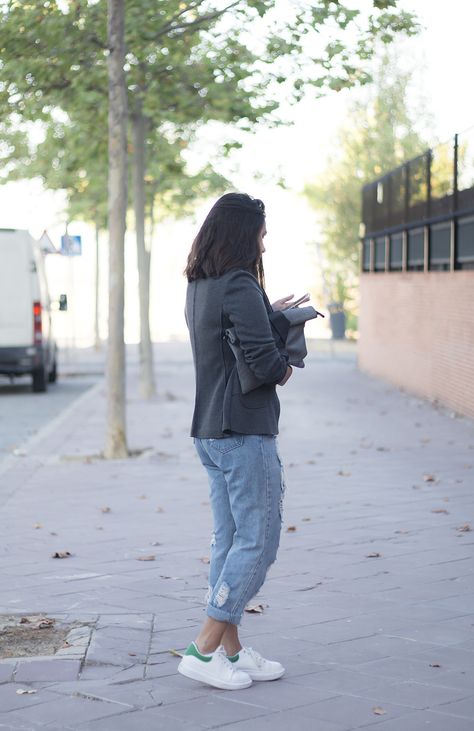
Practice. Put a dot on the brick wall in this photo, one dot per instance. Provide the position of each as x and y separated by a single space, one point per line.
417 331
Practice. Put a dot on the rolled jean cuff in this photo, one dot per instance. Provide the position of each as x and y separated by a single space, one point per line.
221 615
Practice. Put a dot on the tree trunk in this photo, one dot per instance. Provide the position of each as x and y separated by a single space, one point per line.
116 442
97 343
146 373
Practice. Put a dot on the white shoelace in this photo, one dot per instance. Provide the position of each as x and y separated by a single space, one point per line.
223 659
259 660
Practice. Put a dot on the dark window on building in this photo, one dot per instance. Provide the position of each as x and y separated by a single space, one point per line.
379 259
416 250
396 252
366 255
440 247
465 244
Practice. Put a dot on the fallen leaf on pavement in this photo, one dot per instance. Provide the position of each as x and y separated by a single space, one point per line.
61 554
344 474
105 509
429 478
305 520
374 554
38 622
204 559
464 528
52 533
175 653
37 525
159 510
291 529
378 711
23 691
255 608
401 531
151 557
132 654
435 665
440 510
155 543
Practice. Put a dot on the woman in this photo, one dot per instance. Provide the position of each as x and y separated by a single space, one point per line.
234 433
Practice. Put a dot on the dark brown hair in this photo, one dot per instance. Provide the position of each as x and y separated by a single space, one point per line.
228 239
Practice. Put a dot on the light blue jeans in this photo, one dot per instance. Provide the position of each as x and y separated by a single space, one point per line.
247 486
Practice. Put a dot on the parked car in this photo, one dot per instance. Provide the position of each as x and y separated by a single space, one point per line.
27 344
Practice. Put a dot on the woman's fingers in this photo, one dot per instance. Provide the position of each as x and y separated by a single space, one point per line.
283 303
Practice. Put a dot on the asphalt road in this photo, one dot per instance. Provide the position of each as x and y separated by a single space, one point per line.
23 413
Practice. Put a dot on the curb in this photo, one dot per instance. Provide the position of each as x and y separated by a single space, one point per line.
11 460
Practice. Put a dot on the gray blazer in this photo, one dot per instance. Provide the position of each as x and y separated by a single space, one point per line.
213 305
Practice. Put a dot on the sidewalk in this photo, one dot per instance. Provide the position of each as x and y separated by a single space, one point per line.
370 605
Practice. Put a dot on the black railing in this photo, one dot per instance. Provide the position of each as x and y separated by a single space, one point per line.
420 216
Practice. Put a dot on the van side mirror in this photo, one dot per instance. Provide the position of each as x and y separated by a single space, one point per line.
63 302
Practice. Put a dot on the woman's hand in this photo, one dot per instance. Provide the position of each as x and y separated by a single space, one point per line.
285 302
287 375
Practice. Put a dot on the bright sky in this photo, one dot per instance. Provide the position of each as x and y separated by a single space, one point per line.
442 53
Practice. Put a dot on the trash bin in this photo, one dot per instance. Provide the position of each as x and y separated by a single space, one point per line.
337 320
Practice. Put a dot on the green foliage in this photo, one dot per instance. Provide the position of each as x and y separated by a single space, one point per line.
380 133
187 62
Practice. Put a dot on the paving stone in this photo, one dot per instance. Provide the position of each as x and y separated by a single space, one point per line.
212 710
464 707
414 694
139 721
59 710
351 712
369 629
6 671
283 720
338 680
33 669
422 720
10 700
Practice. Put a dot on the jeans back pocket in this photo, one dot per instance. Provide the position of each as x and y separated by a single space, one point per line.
226 444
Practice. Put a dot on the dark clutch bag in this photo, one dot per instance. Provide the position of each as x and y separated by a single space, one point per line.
288 331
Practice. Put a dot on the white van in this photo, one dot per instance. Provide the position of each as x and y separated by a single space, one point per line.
27 345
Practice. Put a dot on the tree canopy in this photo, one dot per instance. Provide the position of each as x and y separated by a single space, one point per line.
381 132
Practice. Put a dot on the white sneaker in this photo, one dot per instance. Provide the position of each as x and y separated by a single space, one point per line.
214 669
252 663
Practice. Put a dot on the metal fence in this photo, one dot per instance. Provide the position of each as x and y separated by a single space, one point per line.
420 216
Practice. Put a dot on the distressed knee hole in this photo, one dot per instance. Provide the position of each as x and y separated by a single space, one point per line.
282 496
222 595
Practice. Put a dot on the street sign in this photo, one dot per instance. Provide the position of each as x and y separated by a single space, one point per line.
46 245
71 245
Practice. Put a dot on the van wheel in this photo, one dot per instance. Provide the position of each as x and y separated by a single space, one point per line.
53 374
40 381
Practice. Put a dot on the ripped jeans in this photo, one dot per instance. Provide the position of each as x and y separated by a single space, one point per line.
246 489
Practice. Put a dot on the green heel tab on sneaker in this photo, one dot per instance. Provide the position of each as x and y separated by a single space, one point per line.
233 658
192 650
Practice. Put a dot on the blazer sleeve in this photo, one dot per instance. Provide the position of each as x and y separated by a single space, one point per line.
245 307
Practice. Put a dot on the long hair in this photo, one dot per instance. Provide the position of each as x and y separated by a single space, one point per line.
228 239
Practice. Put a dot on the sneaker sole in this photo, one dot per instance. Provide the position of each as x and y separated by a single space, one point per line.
274 676
194 674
